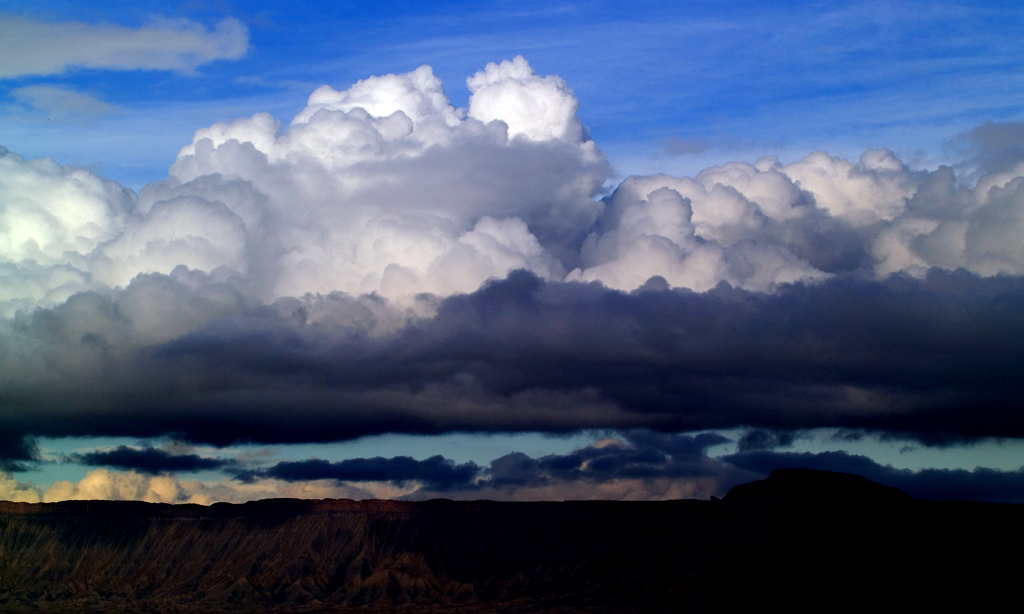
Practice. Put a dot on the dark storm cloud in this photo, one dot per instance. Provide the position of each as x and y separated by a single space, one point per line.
640 455
149 460
978 485
643 455
435 472
765 439
15 450
940 359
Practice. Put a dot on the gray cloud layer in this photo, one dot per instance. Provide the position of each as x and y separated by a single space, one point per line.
938 358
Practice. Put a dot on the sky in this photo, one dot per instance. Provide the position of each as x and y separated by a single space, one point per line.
508 250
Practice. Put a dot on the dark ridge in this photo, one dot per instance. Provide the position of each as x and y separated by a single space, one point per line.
797 541
814 484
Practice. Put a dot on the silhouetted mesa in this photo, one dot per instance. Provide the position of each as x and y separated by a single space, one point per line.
814 484
798 541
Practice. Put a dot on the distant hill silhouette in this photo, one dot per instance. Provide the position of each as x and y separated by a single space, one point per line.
792 485
798 541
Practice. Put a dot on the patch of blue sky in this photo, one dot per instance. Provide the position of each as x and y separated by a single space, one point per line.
134 145
52 453
1000 454
992 453
838 76
458 447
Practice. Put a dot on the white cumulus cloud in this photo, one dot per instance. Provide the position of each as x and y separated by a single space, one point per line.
386 188
13 490
536 107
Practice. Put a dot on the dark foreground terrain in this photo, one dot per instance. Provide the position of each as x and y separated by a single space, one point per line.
799 541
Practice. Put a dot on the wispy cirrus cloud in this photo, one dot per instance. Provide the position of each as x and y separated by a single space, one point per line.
33 47
48 102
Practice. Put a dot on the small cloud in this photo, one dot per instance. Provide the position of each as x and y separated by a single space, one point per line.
177 447
17 453
993 147
34 102
31 47
435 472
678 146
150 461
289 84
255 456
848 435
765 439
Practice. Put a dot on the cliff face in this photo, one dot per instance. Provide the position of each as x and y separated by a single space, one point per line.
747 551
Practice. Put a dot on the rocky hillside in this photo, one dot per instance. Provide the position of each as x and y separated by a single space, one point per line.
799 540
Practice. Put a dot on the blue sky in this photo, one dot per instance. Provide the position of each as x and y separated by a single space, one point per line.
753 79
119 88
